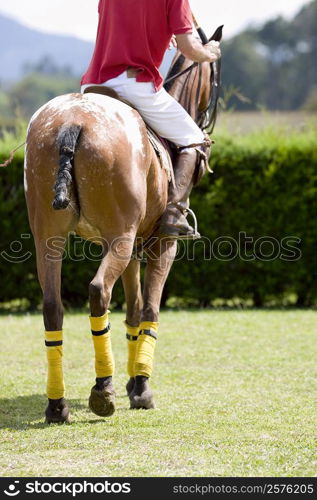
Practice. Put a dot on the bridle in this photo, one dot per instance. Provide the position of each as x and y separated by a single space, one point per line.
207 118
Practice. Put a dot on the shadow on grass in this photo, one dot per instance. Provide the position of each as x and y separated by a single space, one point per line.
27 412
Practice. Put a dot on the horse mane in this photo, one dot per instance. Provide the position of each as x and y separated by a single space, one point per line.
176 68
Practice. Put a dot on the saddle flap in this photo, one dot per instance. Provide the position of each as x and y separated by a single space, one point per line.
162 152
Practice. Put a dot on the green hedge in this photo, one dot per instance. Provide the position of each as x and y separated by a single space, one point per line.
264 185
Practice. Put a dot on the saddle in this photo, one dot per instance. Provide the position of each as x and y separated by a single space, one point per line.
162 148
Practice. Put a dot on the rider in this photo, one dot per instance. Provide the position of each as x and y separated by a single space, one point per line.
132 38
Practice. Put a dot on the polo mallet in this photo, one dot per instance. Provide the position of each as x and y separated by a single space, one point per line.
200 31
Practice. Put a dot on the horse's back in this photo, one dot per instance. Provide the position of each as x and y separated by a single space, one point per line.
103 120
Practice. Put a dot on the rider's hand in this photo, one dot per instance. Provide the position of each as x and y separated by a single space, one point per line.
193 49
214 52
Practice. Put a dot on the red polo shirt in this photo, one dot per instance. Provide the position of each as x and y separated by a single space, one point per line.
136 33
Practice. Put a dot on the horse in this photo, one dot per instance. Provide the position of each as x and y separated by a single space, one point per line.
91 169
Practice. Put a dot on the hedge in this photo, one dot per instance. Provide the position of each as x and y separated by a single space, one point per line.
264 185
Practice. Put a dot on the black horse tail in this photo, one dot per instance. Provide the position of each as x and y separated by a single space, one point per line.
67 141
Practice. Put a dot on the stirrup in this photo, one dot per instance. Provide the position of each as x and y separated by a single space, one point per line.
196 235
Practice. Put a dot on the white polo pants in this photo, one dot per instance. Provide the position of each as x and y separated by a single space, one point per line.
160 110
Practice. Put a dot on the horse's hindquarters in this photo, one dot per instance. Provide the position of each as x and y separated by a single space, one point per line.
109 168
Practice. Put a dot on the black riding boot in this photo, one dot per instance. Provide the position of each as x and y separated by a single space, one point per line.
174 223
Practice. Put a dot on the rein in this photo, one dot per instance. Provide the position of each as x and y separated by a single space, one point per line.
7 163
181 73
210 113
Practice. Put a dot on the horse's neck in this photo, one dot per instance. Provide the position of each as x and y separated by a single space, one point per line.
180 88
192 90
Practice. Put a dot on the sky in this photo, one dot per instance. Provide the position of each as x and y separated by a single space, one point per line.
79 17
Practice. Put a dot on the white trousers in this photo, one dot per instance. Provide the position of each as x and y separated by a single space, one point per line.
160 110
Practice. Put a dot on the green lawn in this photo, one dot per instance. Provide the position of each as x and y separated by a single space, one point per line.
235 390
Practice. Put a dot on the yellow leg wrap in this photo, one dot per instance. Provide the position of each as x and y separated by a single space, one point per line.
55 378
132 337
143 365
101 336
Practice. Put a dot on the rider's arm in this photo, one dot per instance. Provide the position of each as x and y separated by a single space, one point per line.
192 48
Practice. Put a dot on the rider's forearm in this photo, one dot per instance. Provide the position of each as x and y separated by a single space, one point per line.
193 49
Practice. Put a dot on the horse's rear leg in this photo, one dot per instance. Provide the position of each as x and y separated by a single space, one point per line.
133 295
49 266
159 263
102 397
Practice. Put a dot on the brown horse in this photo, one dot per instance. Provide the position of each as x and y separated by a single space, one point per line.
110 188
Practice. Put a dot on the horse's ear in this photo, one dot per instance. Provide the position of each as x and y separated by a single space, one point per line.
217 36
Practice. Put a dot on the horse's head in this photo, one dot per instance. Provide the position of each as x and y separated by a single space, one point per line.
196 89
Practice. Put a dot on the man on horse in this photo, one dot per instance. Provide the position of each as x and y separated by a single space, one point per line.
132 38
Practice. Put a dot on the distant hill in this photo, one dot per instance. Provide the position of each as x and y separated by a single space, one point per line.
21 45
272 66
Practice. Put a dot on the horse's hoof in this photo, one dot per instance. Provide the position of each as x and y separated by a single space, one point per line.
143 402
57 412
102 401
141 398
130 385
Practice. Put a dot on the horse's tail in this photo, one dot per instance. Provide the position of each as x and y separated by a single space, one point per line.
67 140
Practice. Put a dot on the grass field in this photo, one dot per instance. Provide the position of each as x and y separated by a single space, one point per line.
285 122
235 390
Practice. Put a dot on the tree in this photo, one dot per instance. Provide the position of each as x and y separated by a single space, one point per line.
245 68
274 66
311 102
